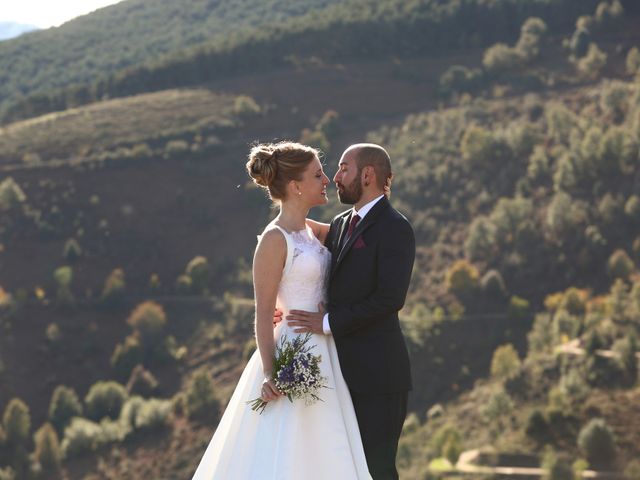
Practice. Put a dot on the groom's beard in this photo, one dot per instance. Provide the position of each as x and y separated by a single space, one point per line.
351 195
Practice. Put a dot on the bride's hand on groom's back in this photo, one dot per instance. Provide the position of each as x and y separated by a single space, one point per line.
277 317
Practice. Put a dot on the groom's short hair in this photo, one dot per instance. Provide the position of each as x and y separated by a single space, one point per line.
370 154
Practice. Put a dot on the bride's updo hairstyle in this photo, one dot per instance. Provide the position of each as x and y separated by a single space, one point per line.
273 165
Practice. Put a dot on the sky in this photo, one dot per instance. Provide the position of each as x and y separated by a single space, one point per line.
48 13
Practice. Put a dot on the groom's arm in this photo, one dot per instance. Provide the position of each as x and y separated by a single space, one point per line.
395 256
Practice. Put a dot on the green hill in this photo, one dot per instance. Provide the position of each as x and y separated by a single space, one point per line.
205 43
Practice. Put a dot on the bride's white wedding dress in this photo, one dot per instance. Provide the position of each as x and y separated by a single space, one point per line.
290 441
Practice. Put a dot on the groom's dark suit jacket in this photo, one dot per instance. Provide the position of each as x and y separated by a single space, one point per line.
368 284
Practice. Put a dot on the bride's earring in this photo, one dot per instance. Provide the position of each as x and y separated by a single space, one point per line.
299 192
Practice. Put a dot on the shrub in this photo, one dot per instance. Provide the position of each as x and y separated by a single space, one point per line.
114 285
129 411
201 398
592 63
149 320
126 356
17 422
176 148
556 467
579 43
199 271
153 414
81 436
244 105
505 363
63 407
633 61
63 277
480 148
447 434
53 335
492 285
47 448
7 473
614 100
537 427
462 278
329 124
499 405
10 194
632 208
105 399
532 33
597 442
500 58
620 265
183 284
480 242
632 470
142 382
518 307
72 250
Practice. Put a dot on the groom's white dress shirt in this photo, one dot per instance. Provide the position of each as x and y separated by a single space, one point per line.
361 213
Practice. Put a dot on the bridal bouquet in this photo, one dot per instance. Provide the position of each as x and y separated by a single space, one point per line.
297 372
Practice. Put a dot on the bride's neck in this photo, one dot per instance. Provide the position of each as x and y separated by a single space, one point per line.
292 216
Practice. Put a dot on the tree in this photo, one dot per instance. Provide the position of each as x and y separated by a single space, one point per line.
105 399
505 363
500 58
620 265
579 43
17 422
114 285
63 407
199 271
480 242
47 451
597 442
532 32
633 61
592 63
202 401
149 320
462 279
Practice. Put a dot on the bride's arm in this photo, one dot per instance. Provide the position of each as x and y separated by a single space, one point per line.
268 262
320 230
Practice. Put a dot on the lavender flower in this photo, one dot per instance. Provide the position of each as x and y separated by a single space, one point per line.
297 372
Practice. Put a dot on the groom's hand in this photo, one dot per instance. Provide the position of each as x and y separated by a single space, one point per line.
304 322
277 317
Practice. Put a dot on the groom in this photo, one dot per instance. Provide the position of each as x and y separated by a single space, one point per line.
373 249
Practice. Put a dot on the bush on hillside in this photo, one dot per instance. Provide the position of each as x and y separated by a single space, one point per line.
64 405
153 414
81 436
200 272
620 265
597 442
16 421
126 356
105 399
72 250
505 363
462 279
113 290
148 319
493 286
202 402
47 452
592 63
11 194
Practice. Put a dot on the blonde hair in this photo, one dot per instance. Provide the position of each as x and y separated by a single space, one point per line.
273 165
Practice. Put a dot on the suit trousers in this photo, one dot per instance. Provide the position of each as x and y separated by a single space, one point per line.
380 419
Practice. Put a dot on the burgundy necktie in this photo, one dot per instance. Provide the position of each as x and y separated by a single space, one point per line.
352 225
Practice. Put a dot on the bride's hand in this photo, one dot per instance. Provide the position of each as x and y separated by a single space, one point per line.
269 390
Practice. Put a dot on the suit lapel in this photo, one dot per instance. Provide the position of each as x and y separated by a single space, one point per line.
342 231
368 220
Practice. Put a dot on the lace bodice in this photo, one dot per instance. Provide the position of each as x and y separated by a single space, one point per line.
306 271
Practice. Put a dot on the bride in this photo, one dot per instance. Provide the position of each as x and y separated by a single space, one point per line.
289 440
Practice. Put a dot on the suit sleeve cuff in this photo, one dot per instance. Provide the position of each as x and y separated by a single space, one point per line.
325 324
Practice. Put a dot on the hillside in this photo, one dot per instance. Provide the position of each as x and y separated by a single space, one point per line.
127 227
201 48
